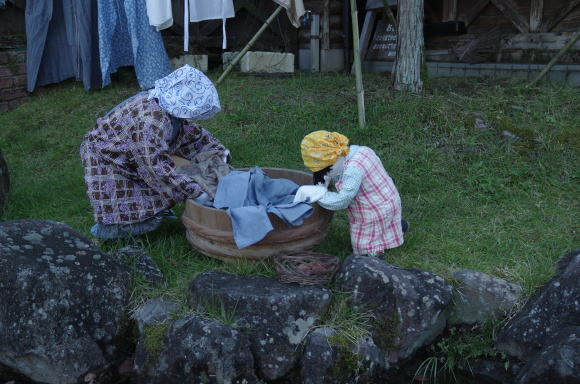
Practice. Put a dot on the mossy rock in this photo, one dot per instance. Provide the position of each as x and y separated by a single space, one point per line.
350 366
386 331
154 344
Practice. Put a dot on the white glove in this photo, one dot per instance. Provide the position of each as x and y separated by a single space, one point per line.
309 193
202 199
225 155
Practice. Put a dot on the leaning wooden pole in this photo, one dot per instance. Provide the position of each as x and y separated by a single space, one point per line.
555 59
390 14
249 45
360 94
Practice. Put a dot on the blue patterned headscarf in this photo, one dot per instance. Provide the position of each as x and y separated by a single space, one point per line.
187 93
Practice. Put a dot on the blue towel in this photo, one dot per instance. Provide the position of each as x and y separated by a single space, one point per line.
250 195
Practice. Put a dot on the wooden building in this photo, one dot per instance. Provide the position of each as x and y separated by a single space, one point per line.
457 32
504 31
281 36
475 37
462 37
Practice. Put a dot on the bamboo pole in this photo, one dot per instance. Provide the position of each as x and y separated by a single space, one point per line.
360 95
249 45
555 59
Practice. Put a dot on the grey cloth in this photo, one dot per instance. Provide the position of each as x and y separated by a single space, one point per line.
294 10
206 168
250 195
62 42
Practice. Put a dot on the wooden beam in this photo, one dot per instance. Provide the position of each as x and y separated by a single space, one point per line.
390 14
475 11
366 34
547 42
315 42
325 46
559 15
360 93
326 25
508 8
449 10
536 13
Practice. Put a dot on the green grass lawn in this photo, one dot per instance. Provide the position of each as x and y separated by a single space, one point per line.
473 197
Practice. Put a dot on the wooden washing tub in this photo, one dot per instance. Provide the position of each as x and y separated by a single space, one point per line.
209 230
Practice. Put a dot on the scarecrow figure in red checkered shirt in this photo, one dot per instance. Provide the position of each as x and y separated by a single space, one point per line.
363 187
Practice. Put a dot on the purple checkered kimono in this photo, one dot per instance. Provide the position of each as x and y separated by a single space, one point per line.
129 173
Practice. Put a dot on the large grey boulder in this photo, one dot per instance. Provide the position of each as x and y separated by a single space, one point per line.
554 307
277 316
62 302
409 305
557 362
4 183
327 359
194 349
480 297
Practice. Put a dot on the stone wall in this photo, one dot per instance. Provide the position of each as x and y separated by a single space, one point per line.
12 79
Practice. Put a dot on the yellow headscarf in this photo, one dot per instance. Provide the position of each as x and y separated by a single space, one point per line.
321 149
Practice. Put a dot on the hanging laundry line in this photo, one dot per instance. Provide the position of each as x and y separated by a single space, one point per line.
294 9
127 39
202 10
61 42
89 40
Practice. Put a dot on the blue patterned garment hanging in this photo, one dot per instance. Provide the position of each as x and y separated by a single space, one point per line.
126 38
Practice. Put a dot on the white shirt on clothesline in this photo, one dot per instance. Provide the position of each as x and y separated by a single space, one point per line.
201 10
159 13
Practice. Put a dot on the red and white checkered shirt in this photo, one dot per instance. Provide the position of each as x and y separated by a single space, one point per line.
375 212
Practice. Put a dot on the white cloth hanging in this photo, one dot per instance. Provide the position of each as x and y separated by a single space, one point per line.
159 13
201 10
294 10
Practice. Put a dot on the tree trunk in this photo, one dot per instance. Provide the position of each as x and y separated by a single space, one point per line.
407 69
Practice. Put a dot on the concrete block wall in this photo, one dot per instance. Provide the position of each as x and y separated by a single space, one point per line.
12 79
331 60
267 62
569 74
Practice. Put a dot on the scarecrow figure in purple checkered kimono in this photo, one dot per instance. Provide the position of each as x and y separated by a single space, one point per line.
128 157
363 188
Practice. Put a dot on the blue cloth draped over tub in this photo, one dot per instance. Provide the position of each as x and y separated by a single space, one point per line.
126 38
62 42
250 195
